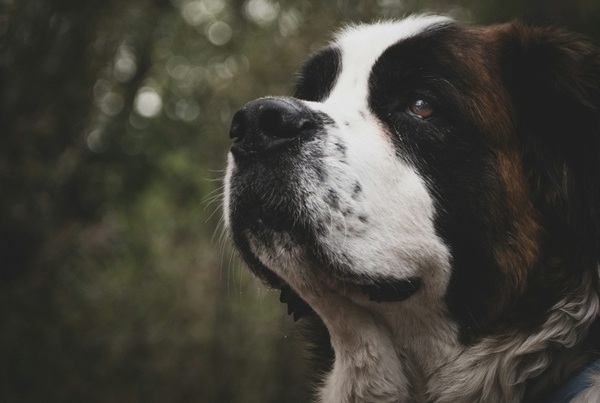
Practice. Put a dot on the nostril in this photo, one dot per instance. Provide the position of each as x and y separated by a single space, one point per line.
271 123
238 126
307 125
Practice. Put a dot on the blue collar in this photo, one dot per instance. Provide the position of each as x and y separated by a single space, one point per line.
576 384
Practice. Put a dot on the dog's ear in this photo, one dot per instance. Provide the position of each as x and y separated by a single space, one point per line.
554 78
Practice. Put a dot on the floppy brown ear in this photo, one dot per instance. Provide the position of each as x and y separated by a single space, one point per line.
554 78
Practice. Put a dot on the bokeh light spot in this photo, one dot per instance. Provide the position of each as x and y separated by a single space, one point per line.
111 104
148 102
219 33
262 12
187 110
125 63
97 141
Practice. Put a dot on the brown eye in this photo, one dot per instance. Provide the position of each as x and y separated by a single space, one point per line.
421 109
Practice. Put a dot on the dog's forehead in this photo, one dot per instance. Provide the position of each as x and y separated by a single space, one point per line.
361 45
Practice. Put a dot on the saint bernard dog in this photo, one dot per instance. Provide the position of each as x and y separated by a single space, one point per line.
431 195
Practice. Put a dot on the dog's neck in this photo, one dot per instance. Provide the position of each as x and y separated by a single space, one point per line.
498 366
414 353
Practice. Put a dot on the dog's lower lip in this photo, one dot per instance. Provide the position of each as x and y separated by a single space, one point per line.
392 290
275 222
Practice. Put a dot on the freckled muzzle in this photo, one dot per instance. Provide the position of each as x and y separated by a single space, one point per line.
283 198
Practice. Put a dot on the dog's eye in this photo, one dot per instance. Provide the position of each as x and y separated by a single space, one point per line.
421 109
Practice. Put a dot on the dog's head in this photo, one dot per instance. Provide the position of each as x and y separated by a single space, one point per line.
425 165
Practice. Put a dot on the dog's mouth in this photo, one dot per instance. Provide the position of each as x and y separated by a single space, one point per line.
378 290
392 290
381 291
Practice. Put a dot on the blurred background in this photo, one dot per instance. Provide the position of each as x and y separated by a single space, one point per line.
116 280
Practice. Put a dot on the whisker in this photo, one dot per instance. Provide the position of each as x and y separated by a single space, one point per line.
217 209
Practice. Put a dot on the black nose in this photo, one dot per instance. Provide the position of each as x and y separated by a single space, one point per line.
268 123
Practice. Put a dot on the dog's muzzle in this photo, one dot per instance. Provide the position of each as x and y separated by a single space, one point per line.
270 135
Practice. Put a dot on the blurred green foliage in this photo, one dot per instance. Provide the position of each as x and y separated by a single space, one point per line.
116 280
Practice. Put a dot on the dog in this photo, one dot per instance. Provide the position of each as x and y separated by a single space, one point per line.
431 194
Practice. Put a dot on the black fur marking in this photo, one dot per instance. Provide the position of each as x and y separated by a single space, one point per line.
554 77
357 190
332 199
341 147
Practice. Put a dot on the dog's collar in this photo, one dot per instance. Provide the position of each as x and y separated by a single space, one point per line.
576 384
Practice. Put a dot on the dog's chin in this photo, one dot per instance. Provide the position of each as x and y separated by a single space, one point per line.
290 251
